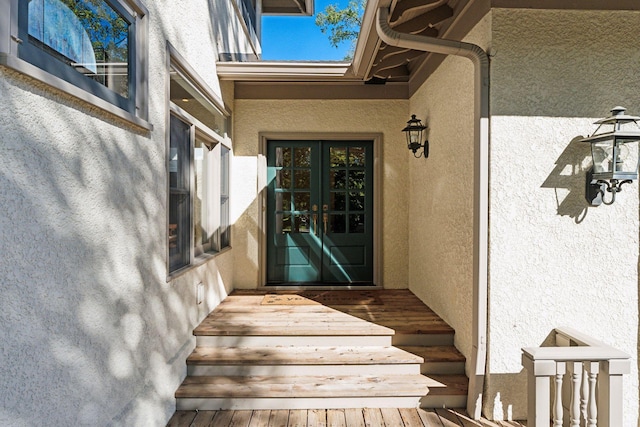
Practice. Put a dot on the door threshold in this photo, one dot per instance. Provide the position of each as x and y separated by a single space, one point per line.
318 287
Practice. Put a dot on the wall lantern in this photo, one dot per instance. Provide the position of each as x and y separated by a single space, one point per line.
615 156
413 132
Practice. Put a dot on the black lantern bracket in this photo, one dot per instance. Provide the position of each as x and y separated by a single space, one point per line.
596 189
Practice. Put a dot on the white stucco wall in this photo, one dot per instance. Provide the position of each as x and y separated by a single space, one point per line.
442 188
91 332
386 117
554 261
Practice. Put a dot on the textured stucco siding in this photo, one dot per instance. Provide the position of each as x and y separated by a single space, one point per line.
92 333
386 117
442 188
554 261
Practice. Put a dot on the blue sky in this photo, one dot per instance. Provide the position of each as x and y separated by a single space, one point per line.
298 37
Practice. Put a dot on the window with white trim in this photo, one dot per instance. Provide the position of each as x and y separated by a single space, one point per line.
198 168
91 49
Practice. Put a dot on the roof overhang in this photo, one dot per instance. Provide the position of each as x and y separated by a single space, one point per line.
374 62
285 71
288 7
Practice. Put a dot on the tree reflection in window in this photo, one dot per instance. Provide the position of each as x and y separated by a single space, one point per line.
88 35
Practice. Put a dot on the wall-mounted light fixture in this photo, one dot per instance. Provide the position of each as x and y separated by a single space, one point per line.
614 149
413 132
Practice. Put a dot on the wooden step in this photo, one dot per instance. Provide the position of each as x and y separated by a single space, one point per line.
431 338
310 392
448 391
293 361
268 340
438 359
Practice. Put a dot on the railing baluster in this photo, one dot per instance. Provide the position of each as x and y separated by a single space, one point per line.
584 398
592 369
575 368
561 369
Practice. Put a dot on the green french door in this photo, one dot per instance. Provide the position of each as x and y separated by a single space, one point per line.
320 212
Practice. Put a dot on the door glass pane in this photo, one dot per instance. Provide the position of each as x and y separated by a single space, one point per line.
301 201
337 179
337 223
301 223
284 201
283 156
356 156
356 179
356 201
302 178
283 223
303 157
283 178
338 157
338 201
356 223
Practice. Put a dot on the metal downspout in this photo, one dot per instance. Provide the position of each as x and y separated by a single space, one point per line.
480 61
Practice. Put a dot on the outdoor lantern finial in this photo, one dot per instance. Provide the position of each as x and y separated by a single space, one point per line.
413 132
614 151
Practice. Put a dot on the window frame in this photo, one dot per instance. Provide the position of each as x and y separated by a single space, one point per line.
17 54
217 144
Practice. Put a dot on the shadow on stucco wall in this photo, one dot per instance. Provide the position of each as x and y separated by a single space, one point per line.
568 180
90 328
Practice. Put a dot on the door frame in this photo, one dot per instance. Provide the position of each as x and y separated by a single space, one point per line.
264 138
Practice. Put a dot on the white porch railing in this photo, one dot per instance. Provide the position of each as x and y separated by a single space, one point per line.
576 383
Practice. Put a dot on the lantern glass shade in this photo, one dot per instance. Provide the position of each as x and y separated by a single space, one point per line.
413 132
615 158
414 136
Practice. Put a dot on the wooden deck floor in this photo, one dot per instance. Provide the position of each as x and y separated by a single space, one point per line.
242 312
367 417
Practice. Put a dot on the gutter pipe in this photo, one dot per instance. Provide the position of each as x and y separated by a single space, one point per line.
480 61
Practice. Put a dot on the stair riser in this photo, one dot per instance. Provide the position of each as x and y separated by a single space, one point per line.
422 340
297 341
212 404
443 401
443 368
298 370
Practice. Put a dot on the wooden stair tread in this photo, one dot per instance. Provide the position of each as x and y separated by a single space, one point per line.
303 386
290 330
436 353
440 385
301 356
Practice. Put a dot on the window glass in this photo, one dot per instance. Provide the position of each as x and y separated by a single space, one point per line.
179 194
202 232
187 97
225 230
89 36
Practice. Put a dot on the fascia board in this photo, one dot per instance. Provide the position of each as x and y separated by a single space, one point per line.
284 71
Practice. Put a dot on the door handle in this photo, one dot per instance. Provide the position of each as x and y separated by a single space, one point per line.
315 223
325 219
315 219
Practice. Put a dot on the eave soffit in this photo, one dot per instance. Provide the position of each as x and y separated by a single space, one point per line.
288 7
